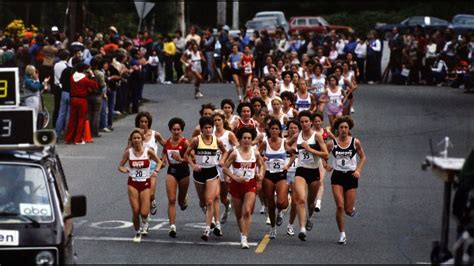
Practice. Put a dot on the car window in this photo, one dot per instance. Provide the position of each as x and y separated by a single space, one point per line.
437 21
417 21
323 21
464 20
24 190
314 22
301 22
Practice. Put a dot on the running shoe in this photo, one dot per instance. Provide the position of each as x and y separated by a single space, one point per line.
213 223
267 221
279 218
154 207
185 205
138 237
353 213
226 213
144 229
217 230
172 231
352 110
309 224
244 244
290 231
342 239
205 235
273 233
196 95
317 207
302 236
262 210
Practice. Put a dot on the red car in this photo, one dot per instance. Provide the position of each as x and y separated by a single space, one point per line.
315 24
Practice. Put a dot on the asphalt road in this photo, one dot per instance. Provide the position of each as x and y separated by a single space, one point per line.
399 205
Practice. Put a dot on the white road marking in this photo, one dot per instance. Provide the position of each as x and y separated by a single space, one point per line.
103 224
129 239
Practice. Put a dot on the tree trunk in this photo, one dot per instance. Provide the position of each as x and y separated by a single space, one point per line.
221 13
181 17
235 15
72 20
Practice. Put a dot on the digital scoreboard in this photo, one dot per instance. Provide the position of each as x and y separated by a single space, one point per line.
17 126
9 88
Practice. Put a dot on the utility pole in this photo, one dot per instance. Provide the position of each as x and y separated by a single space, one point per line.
235 14
181 21
221 13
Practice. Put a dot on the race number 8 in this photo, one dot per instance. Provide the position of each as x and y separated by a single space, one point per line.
3 88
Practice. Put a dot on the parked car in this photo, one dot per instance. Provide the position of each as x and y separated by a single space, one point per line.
315 24
280 16
269 24
462 24
429 24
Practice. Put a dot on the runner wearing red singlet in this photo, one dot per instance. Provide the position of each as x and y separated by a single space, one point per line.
177 177
248 65
245 181
139 180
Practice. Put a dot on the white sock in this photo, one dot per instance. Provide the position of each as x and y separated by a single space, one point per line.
303 230
343 234
208 228
243 238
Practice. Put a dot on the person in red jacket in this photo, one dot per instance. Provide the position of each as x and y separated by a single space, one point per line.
82 83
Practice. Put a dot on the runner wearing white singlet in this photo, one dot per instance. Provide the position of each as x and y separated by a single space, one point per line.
144 120
139 180
274 152
223 133
311 148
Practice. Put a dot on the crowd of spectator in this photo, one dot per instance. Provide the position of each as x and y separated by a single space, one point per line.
121 64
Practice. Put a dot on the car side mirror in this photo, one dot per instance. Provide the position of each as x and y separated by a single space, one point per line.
78 207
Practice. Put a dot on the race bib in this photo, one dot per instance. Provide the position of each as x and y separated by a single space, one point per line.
207 160
248 69
306 157
170 156
275 166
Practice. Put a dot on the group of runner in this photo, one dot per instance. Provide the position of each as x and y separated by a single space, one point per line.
274 148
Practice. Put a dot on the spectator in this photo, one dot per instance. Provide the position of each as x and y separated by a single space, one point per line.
169 52
374 56
180 44
439 70
82 83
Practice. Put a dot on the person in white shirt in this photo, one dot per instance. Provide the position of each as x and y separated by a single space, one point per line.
360 55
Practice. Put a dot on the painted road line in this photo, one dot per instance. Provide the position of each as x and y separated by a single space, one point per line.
128 239
263 244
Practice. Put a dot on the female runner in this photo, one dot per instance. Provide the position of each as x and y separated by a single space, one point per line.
139 182
205 147
223 133
245 181
346 174
311 148
177 177
274 153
